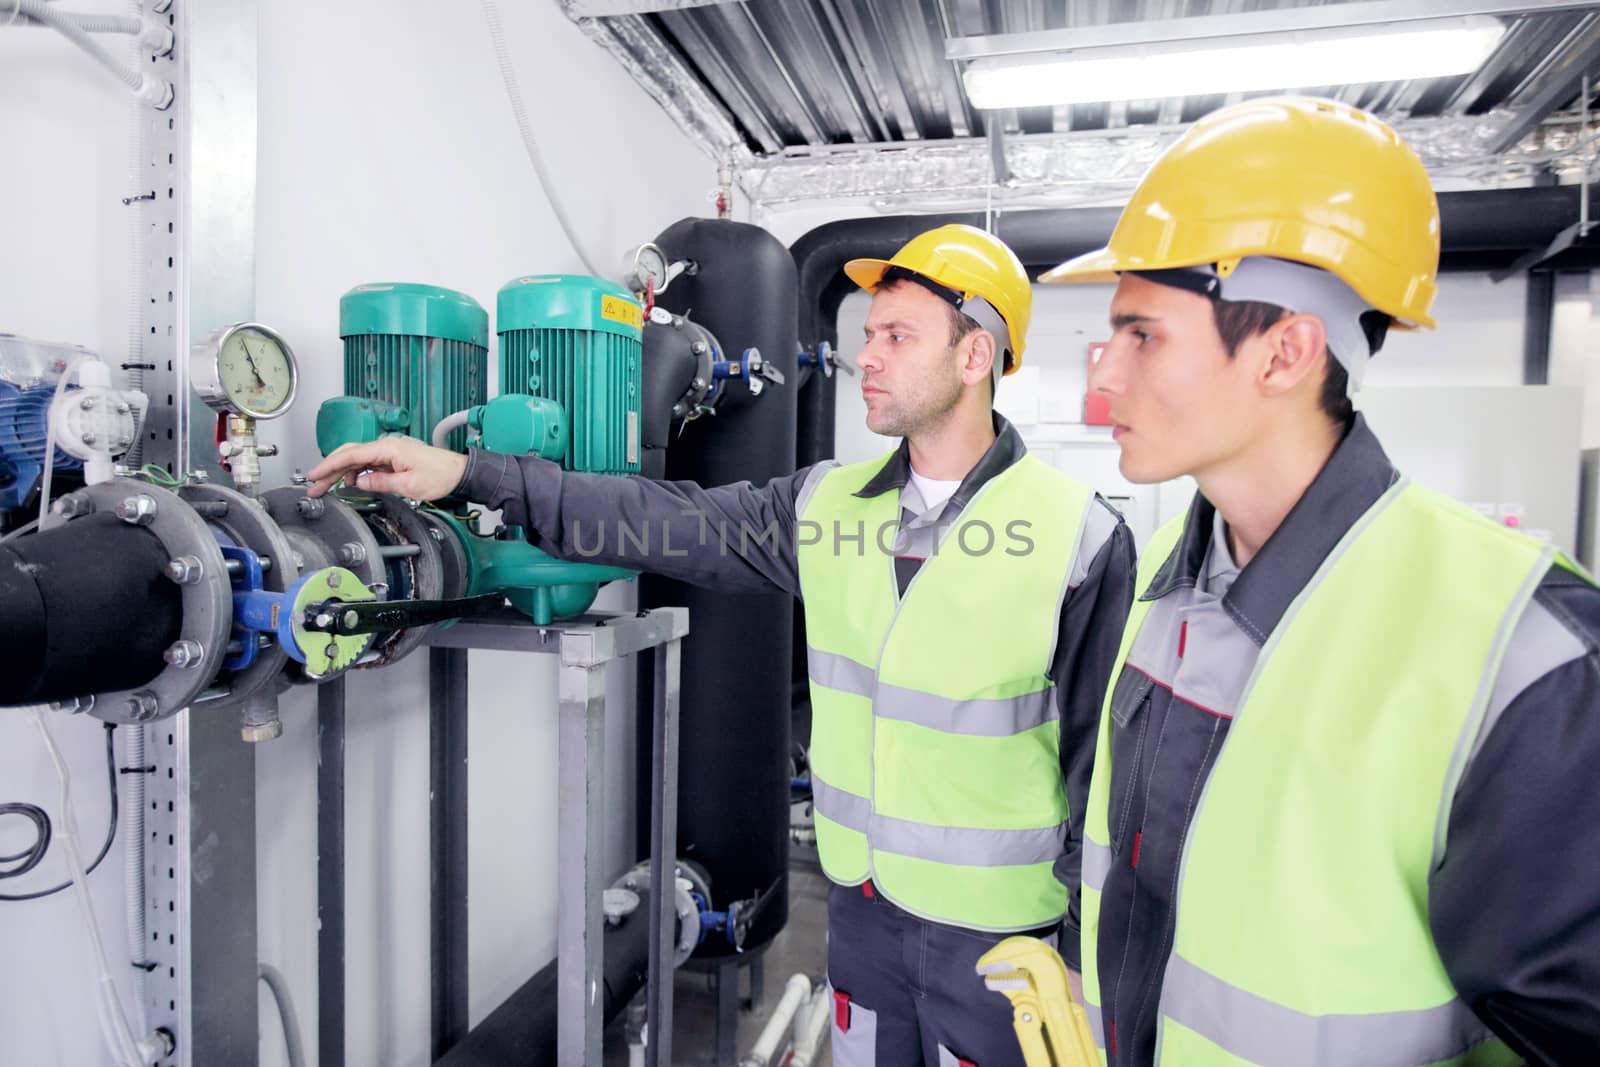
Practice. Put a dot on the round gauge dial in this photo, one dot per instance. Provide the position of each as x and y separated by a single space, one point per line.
246 369
652 263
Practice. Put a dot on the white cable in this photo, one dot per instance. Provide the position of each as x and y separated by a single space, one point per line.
441 433
293 1049
133 868
31 524
113 1018
50 434
491 12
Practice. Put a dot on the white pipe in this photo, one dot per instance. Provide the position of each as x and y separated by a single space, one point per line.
152 90
92 23
133 871
795 993
441 432
818 1014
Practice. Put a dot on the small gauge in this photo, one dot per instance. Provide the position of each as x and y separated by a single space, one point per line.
647 267
245 369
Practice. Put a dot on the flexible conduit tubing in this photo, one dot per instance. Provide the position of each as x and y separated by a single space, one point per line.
69 27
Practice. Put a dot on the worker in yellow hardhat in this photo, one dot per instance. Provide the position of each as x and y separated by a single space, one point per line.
963 602
1343 808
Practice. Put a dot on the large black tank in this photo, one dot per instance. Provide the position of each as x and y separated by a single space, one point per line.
733 769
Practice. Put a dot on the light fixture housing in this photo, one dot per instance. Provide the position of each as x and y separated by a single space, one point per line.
1285 59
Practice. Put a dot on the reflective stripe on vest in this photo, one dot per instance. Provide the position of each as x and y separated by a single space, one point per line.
939 844
1256 1030
935 734
994 717
1352 729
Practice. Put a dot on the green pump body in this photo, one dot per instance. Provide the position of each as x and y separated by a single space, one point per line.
415 353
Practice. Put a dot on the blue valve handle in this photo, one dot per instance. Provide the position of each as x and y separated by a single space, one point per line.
272 613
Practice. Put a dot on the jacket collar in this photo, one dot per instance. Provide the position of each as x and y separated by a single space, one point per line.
1355 476
896 473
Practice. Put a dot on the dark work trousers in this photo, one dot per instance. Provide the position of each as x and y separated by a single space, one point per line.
906 992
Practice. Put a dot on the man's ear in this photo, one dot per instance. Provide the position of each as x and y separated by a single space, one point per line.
981 353
1297 344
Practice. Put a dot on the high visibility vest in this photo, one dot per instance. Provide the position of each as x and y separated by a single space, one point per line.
936 742
1302 930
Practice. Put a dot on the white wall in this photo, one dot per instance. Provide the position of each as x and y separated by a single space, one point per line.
63 276
387 151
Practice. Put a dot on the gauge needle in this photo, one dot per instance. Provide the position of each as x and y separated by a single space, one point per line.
251 360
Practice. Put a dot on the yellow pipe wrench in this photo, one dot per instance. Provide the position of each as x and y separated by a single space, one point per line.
1052 1028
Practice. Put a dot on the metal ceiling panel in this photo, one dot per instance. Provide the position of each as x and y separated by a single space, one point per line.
778 85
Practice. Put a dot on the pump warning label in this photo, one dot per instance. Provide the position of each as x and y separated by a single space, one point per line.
620 310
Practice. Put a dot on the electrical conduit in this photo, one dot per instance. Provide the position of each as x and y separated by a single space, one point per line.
156 91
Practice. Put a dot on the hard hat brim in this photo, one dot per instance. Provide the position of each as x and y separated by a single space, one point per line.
1104 266
866 273
1098 266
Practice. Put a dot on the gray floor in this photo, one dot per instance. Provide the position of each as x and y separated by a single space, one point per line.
800 948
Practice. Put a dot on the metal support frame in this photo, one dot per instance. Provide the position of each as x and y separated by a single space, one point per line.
330 874
1540 310
200 849
447 820
727 1011
587 648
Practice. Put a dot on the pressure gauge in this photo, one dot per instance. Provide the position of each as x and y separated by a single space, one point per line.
245 369
647 267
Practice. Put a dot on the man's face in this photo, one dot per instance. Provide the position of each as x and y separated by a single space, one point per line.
910 374
1179 403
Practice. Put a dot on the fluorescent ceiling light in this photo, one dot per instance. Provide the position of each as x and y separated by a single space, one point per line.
1261 62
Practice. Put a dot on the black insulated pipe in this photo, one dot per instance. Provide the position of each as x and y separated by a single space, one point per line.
523 1028
735 682
84 608
668 368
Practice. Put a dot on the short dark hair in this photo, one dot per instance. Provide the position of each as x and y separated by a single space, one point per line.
1239 320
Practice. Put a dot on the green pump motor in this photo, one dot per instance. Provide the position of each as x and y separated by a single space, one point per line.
412 355
576 341
571 391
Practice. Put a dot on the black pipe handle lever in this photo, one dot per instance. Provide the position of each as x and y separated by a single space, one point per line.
381 616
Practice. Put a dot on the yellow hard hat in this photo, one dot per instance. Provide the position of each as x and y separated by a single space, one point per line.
1312 181
969 263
